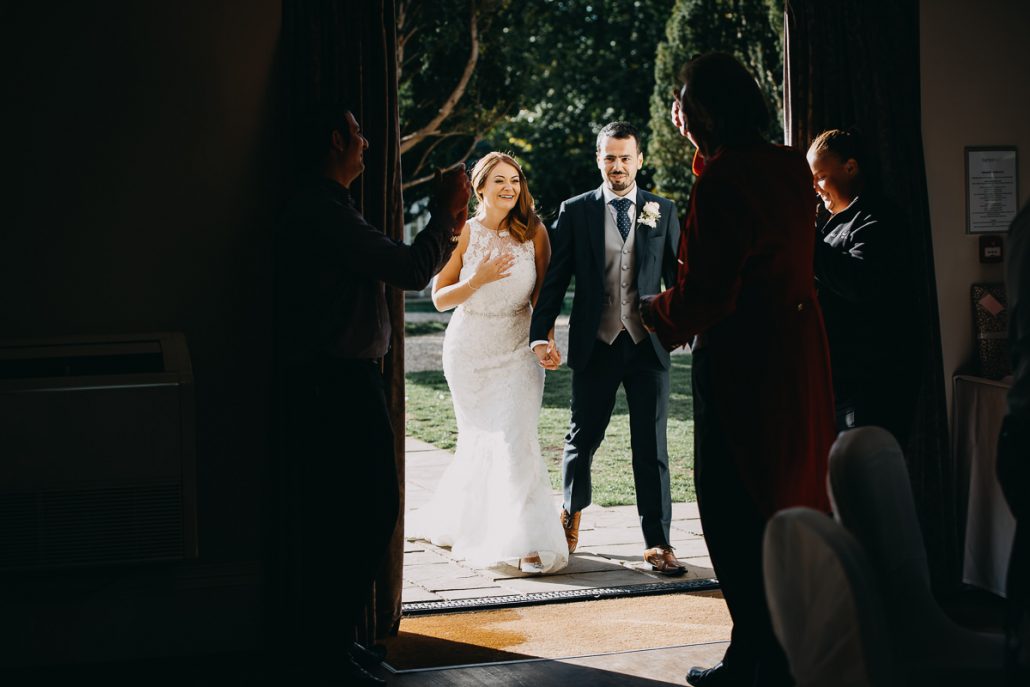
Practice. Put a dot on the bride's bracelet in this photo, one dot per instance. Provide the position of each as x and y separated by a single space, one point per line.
469 282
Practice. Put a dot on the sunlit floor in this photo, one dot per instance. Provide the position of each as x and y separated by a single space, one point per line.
609 556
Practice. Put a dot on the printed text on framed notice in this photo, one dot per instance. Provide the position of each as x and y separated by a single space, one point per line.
991 188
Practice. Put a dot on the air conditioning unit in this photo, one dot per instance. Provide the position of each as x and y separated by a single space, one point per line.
97 452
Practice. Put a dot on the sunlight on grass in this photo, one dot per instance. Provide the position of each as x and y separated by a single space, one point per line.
430 417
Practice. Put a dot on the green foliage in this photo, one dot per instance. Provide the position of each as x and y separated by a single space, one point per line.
749 29
435 46
430 417
593 63
550 74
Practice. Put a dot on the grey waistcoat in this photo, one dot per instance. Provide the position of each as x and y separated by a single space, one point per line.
620 285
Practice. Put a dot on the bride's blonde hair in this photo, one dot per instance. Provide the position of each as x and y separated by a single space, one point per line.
522 221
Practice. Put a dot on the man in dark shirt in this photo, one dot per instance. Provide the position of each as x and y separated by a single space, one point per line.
863 273
340 504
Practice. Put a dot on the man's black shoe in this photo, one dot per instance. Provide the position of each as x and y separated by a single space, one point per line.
368 657
716 676
354 674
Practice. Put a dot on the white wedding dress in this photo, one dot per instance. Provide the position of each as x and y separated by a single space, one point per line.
493 505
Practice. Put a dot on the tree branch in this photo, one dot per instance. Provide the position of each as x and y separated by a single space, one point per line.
406 28
433 126
432 146
423 179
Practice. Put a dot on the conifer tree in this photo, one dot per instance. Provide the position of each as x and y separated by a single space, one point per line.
749 29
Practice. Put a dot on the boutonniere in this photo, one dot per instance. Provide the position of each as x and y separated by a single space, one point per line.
650 214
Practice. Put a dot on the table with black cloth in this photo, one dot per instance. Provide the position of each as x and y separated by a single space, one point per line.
978 408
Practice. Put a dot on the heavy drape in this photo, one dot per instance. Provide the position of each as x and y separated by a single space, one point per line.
334 52
856 63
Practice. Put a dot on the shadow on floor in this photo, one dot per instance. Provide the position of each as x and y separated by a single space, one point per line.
409 651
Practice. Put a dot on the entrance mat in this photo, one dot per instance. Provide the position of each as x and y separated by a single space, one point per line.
559 630
415 608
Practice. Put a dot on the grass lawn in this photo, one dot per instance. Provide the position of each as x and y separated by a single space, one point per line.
430 417
426 305
420 328
419 305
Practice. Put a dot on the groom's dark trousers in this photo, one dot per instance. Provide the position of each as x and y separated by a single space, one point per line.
594 388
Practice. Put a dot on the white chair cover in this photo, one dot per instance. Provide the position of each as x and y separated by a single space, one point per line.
825 609
872 497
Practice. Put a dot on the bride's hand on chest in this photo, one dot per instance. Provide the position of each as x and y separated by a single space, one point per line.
495 266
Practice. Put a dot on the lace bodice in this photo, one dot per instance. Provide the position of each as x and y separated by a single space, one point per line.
504 295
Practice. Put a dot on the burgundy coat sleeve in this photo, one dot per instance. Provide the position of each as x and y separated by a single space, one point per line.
716 241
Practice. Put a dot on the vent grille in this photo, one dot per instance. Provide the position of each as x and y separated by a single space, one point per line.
55 529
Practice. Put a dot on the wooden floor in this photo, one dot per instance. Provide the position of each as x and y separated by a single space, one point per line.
632 669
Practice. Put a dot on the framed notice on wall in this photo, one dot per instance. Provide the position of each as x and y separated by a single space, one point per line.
991 189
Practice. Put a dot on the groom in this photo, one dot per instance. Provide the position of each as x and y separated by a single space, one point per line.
619 242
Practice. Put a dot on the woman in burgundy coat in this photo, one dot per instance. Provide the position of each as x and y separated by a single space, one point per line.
763 401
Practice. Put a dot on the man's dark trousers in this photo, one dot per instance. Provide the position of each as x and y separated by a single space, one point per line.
341 451
594 387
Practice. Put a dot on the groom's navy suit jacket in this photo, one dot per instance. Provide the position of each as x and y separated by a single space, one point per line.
577 249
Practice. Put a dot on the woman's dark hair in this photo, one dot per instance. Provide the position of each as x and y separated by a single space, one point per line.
849 144
722 102
846 144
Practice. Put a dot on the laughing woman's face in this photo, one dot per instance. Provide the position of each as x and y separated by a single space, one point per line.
502 187
835 180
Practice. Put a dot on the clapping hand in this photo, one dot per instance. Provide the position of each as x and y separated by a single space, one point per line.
677 117
493 268
451 193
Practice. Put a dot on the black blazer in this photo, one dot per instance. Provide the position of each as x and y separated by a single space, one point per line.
863 271
577 248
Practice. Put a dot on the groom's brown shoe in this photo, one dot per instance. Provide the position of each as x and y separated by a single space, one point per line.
570 523
664 561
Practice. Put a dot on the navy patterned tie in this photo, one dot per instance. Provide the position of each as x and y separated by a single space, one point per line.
622 216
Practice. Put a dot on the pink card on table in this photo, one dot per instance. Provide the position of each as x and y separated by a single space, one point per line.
991 304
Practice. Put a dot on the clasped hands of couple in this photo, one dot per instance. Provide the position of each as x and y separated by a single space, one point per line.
549 355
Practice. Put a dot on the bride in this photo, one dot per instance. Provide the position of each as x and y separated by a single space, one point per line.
494 505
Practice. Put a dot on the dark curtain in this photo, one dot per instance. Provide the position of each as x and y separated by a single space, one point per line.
856 63
345 51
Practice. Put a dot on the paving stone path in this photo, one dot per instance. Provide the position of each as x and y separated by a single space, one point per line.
608 554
